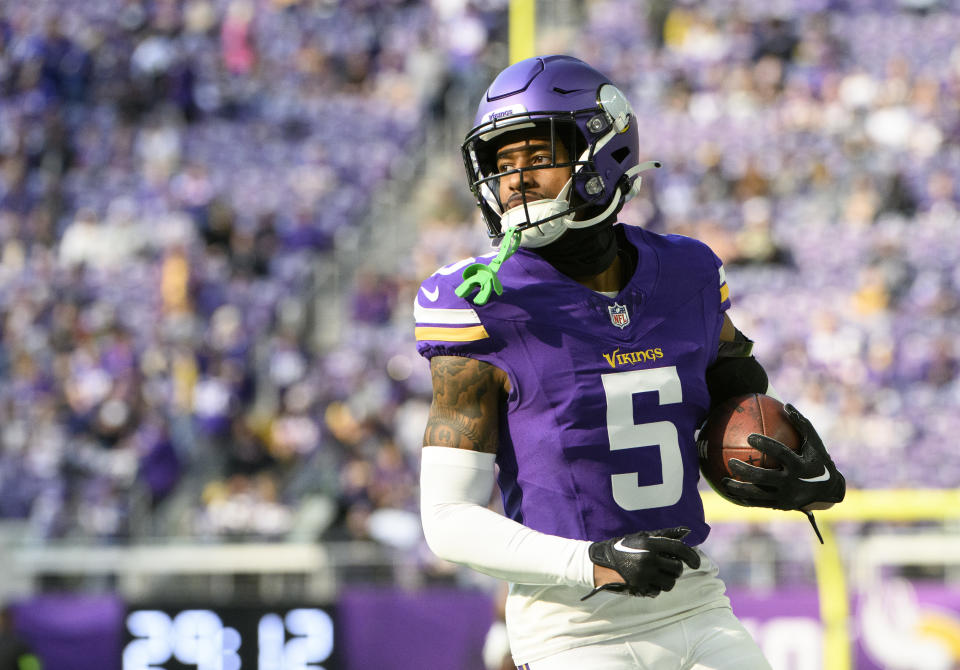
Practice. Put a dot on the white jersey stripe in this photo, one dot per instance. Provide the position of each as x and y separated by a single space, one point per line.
450 269
453 317
723 275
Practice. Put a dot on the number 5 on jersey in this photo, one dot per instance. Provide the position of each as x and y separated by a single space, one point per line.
623 433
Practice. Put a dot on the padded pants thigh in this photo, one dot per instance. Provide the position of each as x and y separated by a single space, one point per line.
711 640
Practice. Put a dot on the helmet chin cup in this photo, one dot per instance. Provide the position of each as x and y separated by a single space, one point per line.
537 234
538 221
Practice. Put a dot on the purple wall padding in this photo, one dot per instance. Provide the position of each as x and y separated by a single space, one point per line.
78 632
414 630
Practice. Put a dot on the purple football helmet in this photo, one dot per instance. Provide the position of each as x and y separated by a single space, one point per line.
565 99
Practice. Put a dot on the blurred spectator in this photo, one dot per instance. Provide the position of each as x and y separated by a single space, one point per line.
82 242
239 55
775 37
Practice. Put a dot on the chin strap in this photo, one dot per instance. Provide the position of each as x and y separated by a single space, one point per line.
483 276
813 522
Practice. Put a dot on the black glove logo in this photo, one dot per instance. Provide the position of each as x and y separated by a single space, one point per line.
650 562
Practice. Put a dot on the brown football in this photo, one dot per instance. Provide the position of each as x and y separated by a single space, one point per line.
724 434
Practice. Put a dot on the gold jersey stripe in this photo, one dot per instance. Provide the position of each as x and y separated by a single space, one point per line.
450 334
724 293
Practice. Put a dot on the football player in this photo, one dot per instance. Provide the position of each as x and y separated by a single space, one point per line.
574 368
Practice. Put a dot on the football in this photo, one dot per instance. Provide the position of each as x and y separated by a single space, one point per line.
724 435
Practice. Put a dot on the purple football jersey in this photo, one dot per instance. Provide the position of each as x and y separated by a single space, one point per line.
598 436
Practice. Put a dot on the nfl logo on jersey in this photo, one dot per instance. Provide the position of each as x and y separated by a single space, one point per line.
619 315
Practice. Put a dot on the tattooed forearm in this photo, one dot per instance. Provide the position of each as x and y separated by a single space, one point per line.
466 397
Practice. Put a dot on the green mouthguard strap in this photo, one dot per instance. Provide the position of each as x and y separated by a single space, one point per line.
483 276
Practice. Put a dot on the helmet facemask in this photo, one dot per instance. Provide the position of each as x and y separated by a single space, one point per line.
480 156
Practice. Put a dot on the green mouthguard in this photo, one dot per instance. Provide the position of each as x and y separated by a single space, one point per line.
483 276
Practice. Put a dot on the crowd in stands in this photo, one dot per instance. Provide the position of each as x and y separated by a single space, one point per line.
820 159
172 175
173 172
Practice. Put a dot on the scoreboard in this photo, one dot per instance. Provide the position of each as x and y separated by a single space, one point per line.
364 627
230 638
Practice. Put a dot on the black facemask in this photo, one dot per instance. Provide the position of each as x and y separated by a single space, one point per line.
582 252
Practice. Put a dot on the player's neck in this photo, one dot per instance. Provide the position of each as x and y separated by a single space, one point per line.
611 279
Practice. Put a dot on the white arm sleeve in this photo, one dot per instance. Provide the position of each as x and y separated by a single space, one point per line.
455 486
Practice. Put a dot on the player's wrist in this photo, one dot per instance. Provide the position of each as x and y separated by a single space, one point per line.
603 575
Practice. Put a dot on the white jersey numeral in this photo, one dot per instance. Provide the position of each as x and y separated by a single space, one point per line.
623 433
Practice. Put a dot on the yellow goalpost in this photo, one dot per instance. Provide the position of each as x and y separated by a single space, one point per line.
523 26
892 505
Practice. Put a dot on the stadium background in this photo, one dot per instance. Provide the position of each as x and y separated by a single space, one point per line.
214 215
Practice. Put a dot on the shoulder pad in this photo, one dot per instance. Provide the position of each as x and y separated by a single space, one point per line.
442 316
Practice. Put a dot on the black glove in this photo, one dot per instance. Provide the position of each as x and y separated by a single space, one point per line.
648 561
806 477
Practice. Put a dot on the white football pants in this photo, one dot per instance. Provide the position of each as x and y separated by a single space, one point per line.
711 640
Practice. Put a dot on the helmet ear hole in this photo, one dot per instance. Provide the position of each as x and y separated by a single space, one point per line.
621 154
